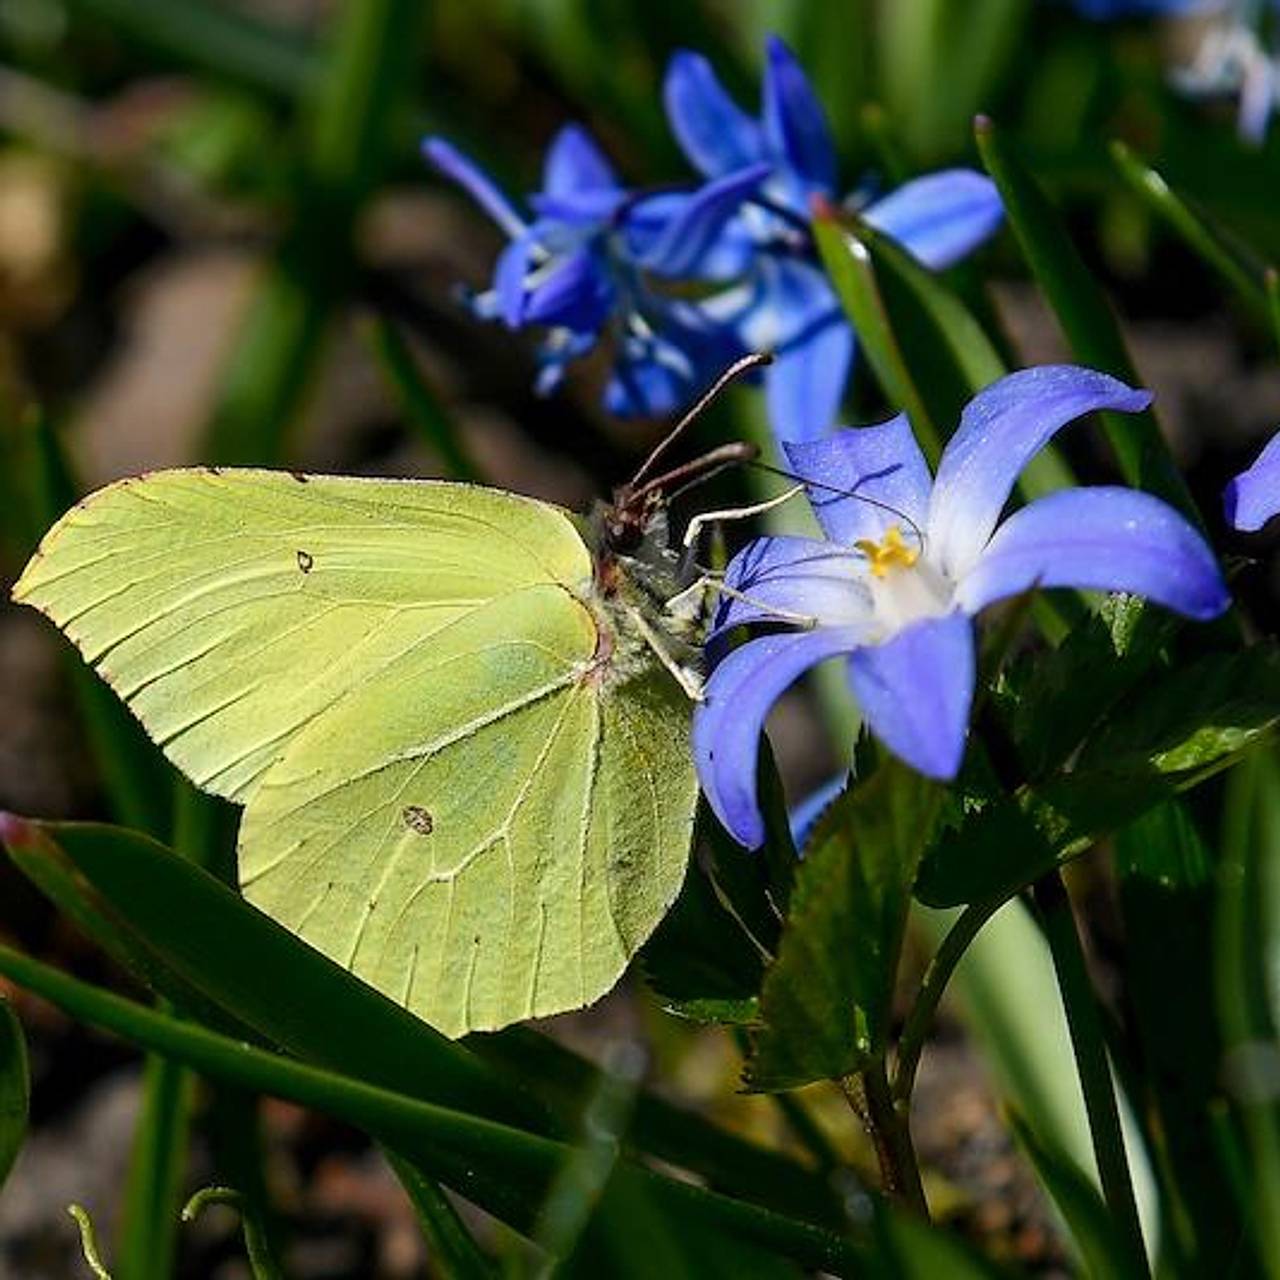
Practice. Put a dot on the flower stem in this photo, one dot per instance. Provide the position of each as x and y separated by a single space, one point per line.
1087 1041
920 1019
887 1126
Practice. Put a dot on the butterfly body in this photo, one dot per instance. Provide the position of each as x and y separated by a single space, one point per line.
465 771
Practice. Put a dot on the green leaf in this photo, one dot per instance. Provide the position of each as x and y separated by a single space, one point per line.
1245 278
172 924
1100 1246
826 999
181 923
452 1247
504 1170
848 265
1172 733
706 960
1051 701
1085 315
1166 892
420 404
1244 940
15 1088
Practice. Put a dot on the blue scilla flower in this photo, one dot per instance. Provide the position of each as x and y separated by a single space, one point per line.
1253 497
575 269
909 559
783 301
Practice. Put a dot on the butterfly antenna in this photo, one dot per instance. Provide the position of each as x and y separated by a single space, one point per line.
699 469
843 493
756 360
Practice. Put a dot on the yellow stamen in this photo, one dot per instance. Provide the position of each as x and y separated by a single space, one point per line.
889 553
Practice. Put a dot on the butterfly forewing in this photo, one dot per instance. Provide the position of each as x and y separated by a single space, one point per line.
446 790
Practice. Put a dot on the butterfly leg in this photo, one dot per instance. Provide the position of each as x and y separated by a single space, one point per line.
710 582
690 681
699 522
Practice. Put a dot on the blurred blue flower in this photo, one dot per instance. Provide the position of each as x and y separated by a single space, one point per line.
1253 497
1232 59
575 269
907 561
782 301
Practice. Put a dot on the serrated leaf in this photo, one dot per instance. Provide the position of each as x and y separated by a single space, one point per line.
15 1088
826 999
1165 737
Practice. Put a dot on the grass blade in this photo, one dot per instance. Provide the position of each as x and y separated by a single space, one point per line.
15 1088
1086 317
453 1249
505 1170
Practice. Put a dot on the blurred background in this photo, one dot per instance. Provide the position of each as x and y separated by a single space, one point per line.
217 241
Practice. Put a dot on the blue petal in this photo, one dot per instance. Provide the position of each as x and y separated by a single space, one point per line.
508 280
1099 539
574 164
726 258
940 218
713 131
915 692
691 235
1000 431
580 209
728 724
865 479
1253 497
804 817
787 576
574 292
478 185
1258 98
805 383
794 122
560 348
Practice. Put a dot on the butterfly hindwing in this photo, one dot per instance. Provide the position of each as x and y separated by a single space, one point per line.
446 788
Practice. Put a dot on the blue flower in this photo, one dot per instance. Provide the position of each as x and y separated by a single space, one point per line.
1253 497
1104 10
576 269
906 563
784 303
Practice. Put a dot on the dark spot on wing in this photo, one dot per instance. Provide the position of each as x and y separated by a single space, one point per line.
305 561
300 477
416 818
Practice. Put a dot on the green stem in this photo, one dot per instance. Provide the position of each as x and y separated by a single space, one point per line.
887 1125
1089 1045
936 977
153 1191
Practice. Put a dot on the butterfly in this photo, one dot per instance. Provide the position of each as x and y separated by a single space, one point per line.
457 719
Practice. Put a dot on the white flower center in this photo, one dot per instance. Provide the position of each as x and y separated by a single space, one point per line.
905 586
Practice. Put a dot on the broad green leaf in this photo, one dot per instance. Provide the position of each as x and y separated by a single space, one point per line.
438 724
1085 315
1172 733
1245 279
1052 700
1166 875
1100 1246
826 1000
15 1088
504 1170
